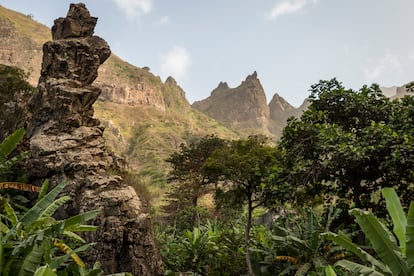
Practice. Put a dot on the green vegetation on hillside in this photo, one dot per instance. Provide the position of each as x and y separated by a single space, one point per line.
147 136
339 155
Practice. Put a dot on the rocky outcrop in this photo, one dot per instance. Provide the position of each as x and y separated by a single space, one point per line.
21 40
243 108
66 143
279 111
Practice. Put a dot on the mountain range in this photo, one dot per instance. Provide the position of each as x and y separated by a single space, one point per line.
147 119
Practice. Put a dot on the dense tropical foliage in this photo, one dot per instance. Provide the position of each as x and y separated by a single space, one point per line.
332 197
285 206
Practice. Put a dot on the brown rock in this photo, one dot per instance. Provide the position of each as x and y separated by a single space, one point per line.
77 23
243 108
67 143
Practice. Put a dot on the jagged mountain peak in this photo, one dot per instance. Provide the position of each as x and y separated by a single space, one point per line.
252 77
222 86
243 108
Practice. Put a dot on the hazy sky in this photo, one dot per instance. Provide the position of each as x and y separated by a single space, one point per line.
290 43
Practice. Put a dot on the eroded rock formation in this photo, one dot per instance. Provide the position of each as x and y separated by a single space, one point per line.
243 108
66 143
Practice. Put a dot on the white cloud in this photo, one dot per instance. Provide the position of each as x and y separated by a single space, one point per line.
387 65
288 7
176 62
133 8
163 21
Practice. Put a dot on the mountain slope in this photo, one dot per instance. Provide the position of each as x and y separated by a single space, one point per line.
145 119
243 108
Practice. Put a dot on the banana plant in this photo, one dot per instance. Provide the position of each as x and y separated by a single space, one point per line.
34 239
299 248
7 147
393 257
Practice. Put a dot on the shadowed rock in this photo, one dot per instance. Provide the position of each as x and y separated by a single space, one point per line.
66 143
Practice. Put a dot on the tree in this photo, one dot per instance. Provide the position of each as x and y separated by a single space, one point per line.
243 168
187 179
347 144
14 94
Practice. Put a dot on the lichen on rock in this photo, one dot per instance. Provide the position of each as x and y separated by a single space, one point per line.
66 143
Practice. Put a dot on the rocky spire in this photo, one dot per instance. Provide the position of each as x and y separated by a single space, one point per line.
67 143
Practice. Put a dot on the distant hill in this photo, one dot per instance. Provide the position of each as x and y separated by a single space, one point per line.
145 119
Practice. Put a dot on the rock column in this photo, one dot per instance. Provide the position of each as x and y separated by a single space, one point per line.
66 143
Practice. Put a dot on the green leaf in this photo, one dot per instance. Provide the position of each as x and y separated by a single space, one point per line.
31 262
397 215
51 209
45 271
359 269
43 189
11 215
3 228
10 143
382 241
342 240
73 236
34 213
57 262
75 221
410 237
303 269
329 271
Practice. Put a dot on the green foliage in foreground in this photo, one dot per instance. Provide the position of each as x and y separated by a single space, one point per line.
295 244
6 148
32 242
34 238
209 249
393 257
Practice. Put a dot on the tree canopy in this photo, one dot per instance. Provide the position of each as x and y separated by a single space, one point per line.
349 144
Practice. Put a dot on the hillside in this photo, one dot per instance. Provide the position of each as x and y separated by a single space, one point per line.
145 119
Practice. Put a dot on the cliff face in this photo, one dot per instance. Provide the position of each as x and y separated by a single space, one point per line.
21 41
243 108
279 111
66 143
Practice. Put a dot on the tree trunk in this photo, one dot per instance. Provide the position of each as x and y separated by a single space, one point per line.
194 202
247 235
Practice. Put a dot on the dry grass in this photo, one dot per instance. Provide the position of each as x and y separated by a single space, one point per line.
27 26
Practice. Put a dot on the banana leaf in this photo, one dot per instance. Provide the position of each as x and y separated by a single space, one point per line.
359 269
45 271
342 240
410 237
397 215
34 213
51 209
382 241
329 271
10 143
31 261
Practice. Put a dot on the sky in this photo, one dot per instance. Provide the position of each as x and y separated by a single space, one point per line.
292 44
